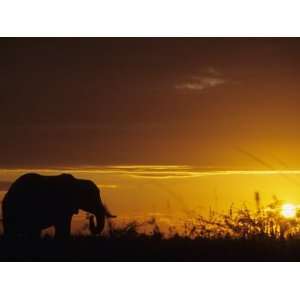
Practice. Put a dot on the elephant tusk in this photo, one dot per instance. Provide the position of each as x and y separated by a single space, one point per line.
109 215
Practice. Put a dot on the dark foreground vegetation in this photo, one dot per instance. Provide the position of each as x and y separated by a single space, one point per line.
150 249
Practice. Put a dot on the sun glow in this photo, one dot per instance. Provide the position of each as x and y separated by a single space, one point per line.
288 210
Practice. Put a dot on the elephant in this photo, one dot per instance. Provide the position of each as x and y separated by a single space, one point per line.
35 202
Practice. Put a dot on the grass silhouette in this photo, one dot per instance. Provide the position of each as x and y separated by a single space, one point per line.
238 235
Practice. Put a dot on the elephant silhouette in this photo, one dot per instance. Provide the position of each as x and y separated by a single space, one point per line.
35 202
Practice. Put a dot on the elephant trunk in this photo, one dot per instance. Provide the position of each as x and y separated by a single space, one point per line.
98 227
100 212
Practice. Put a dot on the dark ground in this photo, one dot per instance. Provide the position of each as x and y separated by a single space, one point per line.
150 249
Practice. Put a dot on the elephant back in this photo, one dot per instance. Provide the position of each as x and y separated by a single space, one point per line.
37 192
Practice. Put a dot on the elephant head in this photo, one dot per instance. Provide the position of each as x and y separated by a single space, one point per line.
89 200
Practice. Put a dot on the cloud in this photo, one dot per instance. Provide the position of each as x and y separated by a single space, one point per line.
148 171
107 186
207 79
202 173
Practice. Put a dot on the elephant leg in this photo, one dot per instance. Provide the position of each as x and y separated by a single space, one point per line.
63 228
34 234
10 234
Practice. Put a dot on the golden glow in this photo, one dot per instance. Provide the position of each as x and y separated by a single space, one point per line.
288 210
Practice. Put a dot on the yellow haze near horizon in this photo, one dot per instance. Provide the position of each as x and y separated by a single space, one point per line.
172 192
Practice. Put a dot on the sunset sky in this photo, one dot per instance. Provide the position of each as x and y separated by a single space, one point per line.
162 125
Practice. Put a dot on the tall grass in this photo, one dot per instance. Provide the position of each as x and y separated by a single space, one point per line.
237 223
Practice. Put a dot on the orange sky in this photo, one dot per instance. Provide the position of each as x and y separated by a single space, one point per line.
188 101
114 109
